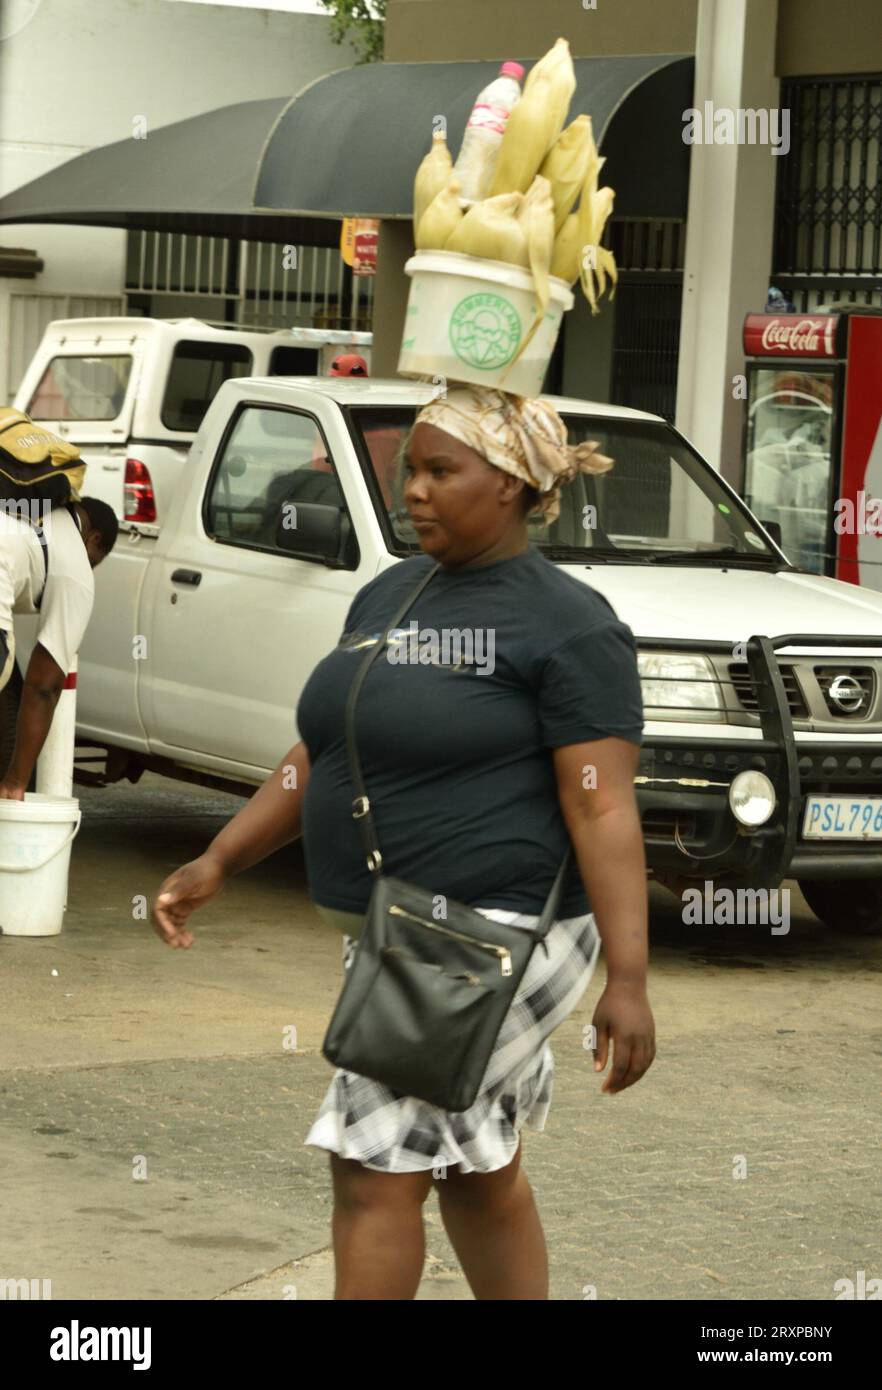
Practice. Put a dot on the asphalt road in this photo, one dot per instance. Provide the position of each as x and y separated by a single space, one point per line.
152 1117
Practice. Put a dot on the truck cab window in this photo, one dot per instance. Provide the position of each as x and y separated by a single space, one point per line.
274 462
197 372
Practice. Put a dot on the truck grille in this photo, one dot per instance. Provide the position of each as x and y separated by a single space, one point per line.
853 690
821 693
742 683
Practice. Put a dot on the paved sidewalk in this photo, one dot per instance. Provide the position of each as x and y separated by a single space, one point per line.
151 1119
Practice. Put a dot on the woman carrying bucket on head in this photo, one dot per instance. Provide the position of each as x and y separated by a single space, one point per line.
480 795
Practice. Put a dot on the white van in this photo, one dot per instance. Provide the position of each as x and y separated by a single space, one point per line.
131 392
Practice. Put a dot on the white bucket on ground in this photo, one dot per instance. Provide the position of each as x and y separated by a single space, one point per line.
35 839
467 317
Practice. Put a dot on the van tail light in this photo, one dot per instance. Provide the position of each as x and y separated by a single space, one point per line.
140 500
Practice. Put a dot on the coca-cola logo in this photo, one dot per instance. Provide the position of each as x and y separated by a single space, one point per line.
804 336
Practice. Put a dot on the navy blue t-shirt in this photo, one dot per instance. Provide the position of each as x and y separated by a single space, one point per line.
491 668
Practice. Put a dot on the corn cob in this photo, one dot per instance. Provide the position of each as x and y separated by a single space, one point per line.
535 122
597 262
566 164
537 216
440 219
431 177
492 230
566 255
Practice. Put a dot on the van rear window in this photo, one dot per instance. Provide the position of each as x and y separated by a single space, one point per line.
198 371
81 388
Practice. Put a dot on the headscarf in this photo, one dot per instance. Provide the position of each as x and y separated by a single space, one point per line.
522 436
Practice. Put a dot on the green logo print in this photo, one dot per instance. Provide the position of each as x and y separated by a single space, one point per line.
484 331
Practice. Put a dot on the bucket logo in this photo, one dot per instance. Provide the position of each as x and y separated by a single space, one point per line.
484 331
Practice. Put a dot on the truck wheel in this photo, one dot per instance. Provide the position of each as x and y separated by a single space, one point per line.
848 907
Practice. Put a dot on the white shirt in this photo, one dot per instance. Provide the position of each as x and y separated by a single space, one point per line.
69 591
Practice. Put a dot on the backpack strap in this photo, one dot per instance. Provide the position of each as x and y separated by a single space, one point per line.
44 546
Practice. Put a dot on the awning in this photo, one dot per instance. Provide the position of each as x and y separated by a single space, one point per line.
349 144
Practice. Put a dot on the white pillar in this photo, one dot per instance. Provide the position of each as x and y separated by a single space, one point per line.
731 222
55 763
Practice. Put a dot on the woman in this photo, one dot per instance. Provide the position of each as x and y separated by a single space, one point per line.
477 774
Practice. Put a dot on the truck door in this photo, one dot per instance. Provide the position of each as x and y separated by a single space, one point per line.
235 624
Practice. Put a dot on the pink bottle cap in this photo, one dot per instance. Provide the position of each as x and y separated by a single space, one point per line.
511 70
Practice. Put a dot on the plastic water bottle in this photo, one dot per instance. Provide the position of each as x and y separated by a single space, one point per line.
484 132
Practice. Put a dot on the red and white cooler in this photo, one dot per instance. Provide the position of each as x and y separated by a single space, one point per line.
813 437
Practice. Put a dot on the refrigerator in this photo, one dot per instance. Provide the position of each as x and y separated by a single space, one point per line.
813 437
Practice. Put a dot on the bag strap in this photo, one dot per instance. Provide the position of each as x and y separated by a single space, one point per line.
361 806
40 531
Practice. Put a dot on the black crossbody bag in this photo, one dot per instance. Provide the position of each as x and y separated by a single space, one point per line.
424 998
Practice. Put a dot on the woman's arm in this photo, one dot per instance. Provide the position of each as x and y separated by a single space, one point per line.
271 819
595 785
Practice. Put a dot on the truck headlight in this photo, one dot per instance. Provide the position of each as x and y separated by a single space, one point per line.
680 685
752 798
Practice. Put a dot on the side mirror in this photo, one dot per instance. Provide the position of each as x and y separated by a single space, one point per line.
774 530
317 531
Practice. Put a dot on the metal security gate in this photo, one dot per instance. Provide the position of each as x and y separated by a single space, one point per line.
828 218
252 283
30 313
646 340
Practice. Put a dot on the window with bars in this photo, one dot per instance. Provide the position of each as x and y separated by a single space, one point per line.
255 284
828 224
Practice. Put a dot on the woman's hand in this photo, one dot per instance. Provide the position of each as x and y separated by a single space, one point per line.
624 1016
187 889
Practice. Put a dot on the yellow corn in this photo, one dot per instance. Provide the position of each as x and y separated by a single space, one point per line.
565 166
536 121
431 177
440 219
567 251
492 230
537 217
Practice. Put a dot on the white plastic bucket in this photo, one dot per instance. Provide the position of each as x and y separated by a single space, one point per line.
35 839
466 319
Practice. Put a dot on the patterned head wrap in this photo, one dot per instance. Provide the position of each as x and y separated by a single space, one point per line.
519 435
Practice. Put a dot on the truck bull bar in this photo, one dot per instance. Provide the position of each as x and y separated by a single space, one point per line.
770 852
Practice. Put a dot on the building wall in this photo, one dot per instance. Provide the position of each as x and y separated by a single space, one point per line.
813 35
446 30
76 76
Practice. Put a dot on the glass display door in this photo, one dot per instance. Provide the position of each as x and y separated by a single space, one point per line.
789 465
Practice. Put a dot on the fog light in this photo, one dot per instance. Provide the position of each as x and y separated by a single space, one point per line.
752 798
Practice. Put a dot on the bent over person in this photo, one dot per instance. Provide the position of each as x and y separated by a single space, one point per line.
48 572
478 776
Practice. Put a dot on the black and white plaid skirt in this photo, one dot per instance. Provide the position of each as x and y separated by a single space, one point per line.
364 1120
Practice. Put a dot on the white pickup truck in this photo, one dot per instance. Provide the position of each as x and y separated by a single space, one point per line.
762 754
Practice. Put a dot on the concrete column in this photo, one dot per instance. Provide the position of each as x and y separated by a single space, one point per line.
394 247
731 219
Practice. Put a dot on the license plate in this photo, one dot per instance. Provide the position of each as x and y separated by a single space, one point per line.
842 818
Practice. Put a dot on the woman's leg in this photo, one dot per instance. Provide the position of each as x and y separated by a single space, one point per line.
379 1241
494 1228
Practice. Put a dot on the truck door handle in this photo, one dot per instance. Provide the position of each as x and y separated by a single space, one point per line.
186 577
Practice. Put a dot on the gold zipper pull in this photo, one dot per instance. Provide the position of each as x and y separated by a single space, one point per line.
505 959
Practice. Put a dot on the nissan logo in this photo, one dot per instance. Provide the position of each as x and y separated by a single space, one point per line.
846 694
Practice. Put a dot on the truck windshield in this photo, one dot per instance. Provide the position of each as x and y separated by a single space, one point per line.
660 501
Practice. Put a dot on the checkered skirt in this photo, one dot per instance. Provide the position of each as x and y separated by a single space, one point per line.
384 1130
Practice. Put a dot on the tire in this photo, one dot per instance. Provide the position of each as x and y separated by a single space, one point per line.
854 907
